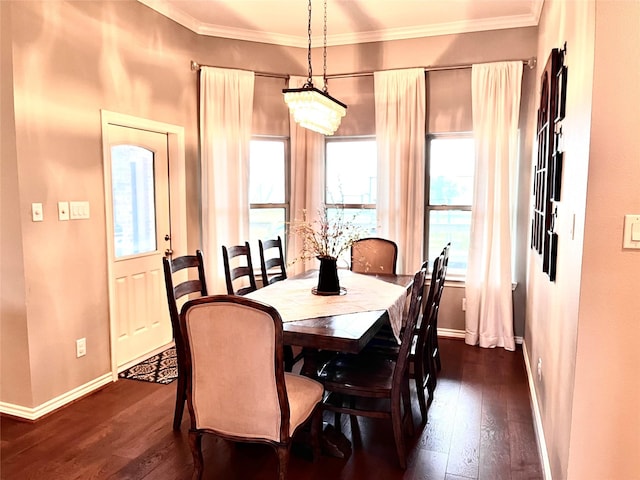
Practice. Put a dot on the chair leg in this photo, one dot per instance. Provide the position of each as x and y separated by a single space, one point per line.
408 413
431 369
316 427
181 397
195 442
398 434
418 375
288 358
283 460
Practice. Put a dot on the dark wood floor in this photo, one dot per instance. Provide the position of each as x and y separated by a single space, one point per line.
479 427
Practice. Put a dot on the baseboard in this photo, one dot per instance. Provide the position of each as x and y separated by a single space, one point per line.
451 333
537 418
55 403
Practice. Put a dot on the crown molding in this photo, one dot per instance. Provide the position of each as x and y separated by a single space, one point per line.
499 23
452 28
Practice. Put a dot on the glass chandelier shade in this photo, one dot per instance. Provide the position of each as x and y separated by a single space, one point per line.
314 109
310 107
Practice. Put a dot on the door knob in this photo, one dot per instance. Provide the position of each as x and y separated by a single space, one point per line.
168 252
167 237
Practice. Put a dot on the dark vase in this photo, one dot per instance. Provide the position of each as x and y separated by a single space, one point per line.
328 283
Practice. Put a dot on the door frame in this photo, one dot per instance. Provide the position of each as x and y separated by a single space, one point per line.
177 196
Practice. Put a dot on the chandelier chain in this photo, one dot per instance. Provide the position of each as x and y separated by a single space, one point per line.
324 51
309 79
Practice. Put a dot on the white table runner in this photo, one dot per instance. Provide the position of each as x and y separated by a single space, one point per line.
294 301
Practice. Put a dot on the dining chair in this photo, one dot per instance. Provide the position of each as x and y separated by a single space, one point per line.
363 377
179 285
240 257
421 357
273 267
252 400
374 255
274 270
435 349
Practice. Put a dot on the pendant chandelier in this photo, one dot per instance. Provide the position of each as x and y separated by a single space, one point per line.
311 107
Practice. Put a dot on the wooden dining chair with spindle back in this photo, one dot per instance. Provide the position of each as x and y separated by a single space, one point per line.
180 284
272 267
238 268
435 349
364 377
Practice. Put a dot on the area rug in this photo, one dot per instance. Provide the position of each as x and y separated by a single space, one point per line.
161 368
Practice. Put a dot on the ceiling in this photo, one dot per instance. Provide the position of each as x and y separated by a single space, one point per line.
284 22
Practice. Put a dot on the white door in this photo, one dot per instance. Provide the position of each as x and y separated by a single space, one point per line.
138 194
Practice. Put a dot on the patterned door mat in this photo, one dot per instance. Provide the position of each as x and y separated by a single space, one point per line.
161 368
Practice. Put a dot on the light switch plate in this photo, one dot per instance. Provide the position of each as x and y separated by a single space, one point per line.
79 210
631 235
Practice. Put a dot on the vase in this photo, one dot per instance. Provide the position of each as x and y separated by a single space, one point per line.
328 283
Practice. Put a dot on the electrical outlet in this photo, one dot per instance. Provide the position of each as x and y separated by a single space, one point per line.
539 369
81 347
36 212
63 210
464 304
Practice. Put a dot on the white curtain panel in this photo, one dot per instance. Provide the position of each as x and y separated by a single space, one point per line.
495 91
307 178
226 109
400 106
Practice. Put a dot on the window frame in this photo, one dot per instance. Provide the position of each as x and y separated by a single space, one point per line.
428 208
346 206
287 188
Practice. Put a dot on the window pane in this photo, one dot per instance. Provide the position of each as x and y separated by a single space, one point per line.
134 215
265 224
451 167
450 226
364 219
351 170
267 171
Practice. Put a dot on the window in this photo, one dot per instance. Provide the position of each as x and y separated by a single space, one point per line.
450 171
134 213
268 192
351 166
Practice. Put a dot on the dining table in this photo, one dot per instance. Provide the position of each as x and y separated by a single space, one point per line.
342 323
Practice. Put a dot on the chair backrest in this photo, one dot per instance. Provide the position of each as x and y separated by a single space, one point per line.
179 285
374 255
273 268
411 320
445 263
235 373
429 303
240 255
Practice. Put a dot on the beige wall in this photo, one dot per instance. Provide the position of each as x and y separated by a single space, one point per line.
552 308
584 325
72 59
14 341
605 426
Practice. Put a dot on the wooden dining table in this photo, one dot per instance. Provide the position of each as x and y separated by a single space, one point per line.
346 332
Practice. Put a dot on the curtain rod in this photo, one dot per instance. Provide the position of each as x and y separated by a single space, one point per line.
195 66
530 62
